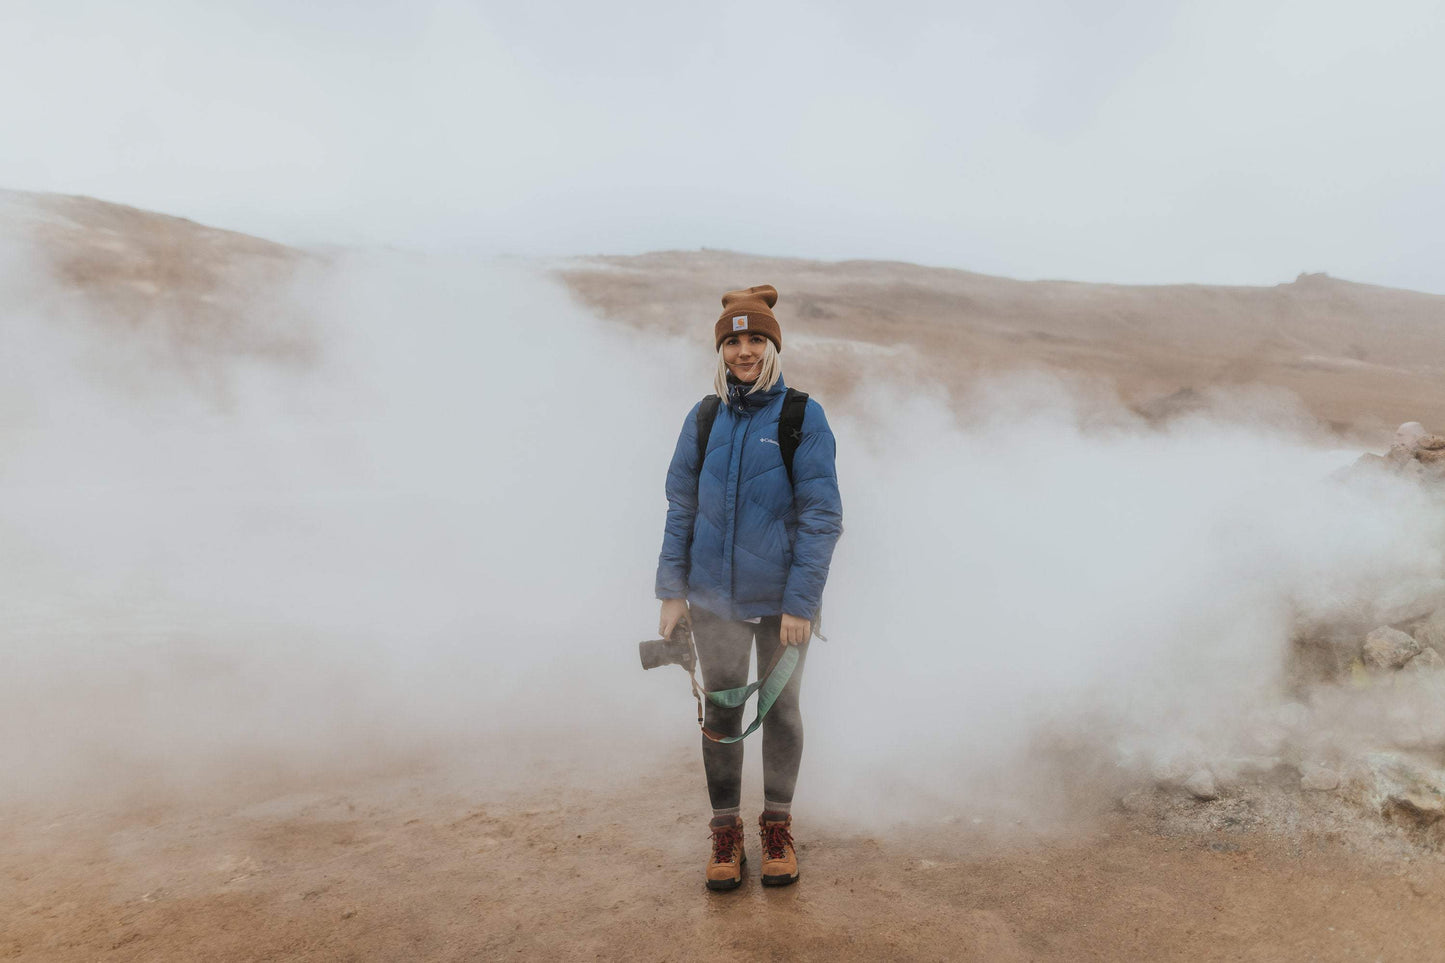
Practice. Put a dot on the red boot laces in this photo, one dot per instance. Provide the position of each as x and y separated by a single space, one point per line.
725 842
776 839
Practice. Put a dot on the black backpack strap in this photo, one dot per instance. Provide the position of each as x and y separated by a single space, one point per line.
706 415
790 426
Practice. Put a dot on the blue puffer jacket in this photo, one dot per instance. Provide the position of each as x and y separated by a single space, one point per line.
740 542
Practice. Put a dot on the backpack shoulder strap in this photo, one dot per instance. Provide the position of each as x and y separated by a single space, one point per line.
790 426
706 415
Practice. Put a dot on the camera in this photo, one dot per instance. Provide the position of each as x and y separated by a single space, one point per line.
676 649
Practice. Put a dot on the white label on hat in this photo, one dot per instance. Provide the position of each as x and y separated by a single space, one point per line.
740 323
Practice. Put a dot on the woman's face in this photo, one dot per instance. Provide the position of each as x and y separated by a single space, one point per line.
743 354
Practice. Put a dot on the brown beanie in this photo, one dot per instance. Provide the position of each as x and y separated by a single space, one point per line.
750 309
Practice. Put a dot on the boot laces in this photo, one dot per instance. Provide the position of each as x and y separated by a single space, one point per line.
776 840
725 843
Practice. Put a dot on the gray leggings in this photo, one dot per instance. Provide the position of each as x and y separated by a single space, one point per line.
723 649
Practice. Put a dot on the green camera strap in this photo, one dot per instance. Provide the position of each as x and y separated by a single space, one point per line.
768 687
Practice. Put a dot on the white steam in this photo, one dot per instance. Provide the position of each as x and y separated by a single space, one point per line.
443 539
429 541
1016 594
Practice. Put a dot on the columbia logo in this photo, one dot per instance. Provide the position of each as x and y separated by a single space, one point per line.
770 441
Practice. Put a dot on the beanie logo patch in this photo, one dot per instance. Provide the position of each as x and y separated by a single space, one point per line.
740 323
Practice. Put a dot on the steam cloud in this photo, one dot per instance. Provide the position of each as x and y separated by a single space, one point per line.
442 539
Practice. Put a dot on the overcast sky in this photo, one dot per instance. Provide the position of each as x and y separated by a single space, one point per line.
1221 141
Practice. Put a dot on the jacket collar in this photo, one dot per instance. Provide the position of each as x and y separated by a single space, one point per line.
740 400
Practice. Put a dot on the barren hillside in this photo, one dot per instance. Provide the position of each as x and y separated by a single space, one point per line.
1361 357
200 292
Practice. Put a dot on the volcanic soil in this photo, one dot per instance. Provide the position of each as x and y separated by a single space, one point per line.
447 865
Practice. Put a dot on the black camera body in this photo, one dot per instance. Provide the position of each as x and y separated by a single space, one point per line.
676 649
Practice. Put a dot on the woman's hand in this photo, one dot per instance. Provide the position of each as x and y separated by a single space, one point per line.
672 611
794 631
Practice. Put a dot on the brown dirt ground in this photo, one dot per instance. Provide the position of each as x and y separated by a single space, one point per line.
454 866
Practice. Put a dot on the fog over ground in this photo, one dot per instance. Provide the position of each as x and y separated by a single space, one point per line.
1117 141
440 542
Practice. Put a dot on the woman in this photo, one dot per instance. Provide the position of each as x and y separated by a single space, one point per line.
744 556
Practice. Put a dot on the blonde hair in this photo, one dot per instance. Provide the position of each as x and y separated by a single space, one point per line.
772 370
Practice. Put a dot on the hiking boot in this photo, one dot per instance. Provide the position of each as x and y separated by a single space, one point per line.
725 865
780 860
